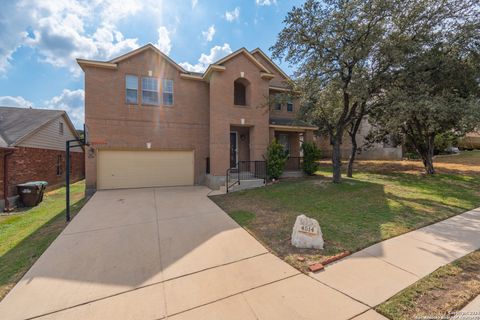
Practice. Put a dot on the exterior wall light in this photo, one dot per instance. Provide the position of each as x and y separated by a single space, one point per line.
149 145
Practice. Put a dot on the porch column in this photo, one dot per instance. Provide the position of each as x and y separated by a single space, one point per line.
272 134
259 139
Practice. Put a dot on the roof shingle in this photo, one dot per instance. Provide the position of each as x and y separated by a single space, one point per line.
16 123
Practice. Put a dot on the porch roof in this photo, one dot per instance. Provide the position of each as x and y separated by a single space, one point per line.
282 123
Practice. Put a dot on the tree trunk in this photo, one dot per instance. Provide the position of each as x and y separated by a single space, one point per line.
428 157
336 160
353 153
355 126
428 163
426 150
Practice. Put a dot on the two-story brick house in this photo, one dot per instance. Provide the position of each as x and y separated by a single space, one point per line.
153 123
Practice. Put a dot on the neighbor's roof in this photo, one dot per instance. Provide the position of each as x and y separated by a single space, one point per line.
291 123
18 123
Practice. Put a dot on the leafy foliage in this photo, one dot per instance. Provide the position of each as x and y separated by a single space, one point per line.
276 158
435 93
445 140
311 155
348 52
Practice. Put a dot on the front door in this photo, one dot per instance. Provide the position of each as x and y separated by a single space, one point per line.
233 149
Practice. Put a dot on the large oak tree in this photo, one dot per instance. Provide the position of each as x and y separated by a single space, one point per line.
345 52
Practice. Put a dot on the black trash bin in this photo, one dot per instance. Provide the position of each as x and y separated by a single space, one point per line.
31 193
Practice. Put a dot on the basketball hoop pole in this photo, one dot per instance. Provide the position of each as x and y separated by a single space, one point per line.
80 143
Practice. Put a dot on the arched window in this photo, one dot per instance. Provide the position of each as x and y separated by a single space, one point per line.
240 92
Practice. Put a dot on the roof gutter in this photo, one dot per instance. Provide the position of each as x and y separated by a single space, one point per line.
292 128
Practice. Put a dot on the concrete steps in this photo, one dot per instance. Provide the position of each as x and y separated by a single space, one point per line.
246 184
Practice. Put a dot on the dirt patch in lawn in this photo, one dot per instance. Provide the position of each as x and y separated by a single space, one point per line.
467 163
446 290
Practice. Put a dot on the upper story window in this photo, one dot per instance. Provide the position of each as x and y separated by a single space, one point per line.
241 91
289 106
167 92
150 91
60 128
239 94
131 89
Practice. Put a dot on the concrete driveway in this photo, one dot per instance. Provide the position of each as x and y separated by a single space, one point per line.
166 252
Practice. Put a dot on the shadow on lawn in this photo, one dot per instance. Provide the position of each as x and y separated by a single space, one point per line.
16 261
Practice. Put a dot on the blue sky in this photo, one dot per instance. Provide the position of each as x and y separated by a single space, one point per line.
42 38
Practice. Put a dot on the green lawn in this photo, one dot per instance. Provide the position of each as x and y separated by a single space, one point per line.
446 290
384 199
24 236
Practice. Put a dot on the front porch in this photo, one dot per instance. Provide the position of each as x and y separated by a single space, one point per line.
291 134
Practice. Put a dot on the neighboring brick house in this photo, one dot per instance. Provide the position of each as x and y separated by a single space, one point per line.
32 147
152 123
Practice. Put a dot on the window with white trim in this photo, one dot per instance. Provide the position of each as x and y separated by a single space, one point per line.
60 128
150 91
131 89
167 89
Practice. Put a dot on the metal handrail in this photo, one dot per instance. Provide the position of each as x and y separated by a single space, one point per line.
246 170
227 174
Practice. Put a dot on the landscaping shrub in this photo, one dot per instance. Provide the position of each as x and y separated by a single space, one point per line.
276 158
444 141
311 155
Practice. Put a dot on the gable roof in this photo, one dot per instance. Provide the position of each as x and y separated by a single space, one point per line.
264 55
112 64
248 55
146 47
16 124
217 66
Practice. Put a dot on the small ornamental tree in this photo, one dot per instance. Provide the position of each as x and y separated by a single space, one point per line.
311 154
276 158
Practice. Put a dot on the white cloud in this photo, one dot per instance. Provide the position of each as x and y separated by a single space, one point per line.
57 30
164 43
208 35
265 2
194 3
73 102
216 53
232 15
9 101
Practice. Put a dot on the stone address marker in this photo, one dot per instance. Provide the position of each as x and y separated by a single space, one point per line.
307 233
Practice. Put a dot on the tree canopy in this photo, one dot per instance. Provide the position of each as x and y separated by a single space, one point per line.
346 53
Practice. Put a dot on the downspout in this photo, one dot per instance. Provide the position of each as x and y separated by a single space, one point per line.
6 153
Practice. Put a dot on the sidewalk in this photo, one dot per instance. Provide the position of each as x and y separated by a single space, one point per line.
376 273
473 306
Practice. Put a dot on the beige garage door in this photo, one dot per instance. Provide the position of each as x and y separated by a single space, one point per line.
136 169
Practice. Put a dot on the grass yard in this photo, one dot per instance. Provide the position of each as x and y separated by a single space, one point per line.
446 290
383 200
24 236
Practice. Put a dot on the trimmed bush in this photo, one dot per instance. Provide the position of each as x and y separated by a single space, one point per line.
311 154
276 158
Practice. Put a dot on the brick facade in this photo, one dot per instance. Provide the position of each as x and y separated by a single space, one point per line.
201 118
33 164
